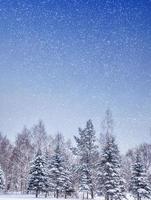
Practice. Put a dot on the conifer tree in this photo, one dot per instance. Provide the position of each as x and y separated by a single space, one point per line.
87 151
139 186
112 183
68 188
109 180
47 164
38 181
60 179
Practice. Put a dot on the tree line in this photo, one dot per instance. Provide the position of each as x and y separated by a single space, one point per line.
42 164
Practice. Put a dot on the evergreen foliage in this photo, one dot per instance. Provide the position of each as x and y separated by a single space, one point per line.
109 176
139 186
38 181
87 151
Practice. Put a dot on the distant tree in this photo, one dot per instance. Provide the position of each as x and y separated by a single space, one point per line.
144 150
39 136
139 186
38 179
14 176
87 151
107 127
20 159
6 149
107 124
126 170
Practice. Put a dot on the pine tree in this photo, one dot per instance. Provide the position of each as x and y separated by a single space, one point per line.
87 151
68 188
109 180
2 180
58 171
38 181
139 186
84 179
112 185
100 181
47 164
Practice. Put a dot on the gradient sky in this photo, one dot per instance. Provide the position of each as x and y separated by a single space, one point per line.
65 61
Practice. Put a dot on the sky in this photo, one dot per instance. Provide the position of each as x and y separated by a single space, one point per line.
66 61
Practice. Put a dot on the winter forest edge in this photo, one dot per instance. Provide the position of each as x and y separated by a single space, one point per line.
49 166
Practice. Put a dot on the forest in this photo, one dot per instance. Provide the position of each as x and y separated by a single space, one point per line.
86 166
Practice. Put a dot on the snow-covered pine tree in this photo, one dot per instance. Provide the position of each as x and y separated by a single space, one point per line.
84 179
112 184
59 176
68 188
139 186
107 129
87 151
38 181
47 164
2 180
99 179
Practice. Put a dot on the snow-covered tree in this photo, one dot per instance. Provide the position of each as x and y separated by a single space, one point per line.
38 179
87 152
47 164
109 172
107 129
59 175
5 156
84 179
20 161
68 187
139 186
2 180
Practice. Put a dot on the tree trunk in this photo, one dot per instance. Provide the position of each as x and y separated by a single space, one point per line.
87 195
106 197
46 194
57 194
36 193
138 198
92 195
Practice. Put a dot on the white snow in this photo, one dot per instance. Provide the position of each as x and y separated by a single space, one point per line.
20 197
32 197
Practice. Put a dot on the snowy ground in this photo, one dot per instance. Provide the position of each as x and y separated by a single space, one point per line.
28 197
32 197
20 197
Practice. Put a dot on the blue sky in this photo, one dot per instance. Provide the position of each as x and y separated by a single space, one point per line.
66 61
